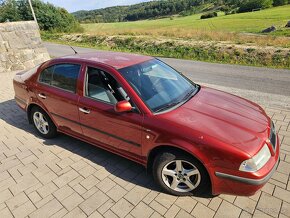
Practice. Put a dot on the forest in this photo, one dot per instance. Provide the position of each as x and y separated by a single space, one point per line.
50 17
165 8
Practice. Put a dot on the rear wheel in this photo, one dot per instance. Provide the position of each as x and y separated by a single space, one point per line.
180 174
42 123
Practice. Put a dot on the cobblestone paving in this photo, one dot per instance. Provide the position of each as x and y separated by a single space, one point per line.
65 177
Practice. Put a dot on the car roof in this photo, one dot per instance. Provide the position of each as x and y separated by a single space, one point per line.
117 60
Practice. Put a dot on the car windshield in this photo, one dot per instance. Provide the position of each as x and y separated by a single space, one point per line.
159 86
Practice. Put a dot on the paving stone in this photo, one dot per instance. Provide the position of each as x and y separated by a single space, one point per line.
186 203
77 212
34 197
23 183
158 207
201 211
95 214
172 212
215 203
165 199
63 193
246 204
285 209
47 210
72 201
93 202
60 213
260 214
183 214
5 195
269 205
116 193
136 194
122 208
282 194
89 182
106 206
6 213
16 201
105 185
47 189
24 210
110 214
44 201
245 214
227 210
142 211
65 178
4 184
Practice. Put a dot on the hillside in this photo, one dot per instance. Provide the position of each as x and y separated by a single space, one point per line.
192 26
166 8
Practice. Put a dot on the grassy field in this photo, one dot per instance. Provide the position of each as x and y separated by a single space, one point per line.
225 39
252 22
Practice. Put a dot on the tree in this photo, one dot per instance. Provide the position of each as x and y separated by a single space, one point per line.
49 17
280 2
251 5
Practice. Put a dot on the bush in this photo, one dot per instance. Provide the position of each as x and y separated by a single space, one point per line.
209 15
250 5
280 2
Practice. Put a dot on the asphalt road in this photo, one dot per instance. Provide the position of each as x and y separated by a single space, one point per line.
256 83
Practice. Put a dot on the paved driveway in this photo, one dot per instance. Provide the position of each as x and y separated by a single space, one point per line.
66 177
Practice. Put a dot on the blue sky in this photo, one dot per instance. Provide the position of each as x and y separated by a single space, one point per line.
75 5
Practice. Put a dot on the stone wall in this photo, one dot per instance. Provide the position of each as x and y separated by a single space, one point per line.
20 46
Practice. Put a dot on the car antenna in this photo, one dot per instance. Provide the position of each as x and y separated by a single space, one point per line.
74 50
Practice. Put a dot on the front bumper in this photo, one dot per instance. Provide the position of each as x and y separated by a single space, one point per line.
225 183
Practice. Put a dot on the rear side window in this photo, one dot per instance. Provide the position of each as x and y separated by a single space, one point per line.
63 76
46 75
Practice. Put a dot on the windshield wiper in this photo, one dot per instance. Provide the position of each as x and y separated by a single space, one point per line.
172 104
167 106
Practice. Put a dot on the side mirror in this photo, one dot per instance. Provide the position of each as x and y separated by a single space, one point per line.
123 106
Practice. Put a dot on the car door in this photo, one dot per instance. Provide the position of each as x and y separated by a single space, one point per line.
57 90
100 122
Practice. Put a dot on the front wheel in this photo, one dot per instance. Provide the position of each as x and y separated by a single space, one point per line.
180 174
42 123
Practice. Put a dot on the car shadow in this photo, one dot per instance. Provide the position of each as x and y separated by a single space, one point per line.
117 166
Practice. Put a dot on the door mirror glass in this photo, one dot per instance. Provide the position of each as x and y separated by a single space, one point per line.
123 106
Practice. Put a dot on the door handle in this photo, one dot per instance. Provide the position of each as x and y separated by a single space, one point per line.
84 110
42 96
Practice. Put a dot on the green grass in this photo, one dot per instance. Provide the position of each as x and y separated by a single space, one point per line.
252 22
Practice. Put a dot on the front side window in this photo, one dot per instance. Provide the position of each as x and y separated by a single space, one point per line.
159 86
103 87
63 76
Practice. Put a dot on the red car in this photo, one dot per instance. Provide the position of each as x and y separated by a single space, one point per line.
192 138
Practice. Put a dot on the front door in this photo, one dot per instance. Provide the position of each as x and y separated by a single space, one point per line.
100 122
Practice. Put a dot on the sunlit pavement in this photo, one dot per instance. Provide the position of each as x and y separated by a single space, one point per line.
67 177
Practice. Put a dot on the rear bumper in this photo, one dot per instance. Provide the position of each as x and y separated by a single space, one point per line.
224 183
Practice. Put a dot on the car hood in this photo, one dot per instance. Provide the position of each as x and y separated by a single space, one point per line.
224 117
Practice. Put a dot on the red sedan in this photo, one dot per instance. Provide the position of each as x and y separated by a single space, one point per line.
192 138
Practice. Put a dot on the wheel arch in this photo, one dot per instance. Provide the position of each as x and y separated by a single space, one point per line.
170 148
32 105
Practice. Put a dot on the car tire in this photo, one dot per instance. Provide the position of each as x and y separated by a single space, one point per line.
189 179
42 123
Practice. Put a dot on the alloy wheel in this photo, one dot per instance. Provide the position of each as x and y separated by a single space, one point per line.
181 176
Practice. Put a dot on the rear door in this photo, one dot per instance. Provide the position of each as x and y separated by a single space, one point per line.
100 122
57 90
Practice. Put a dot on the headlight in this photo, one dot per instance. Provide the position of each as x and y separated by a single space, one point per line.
256 162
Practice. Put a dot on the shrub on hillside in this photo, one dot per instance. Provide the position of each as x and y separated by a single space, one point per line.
250 5
280 2
209 15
